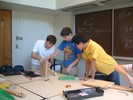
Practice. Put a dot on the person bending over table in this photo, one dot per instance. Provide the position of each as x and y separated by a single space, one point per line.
41 50
72 54
97 58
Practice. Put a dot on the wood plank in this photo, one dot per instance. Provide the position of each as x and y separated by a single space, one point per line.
105 84
98 83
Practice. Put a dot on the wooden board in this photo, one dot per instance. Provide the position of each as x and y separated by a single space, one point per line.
105 84
122 88
98 83
45 71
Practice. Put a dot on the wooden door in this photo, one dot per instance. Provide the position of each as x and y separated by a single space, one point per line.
5 37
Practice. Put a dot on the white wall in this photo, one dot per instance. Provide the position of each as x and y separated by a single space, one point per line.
31 27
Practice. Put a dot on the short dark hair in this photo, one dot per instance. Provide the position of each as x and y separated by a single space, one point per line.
77 39
51 38
66 31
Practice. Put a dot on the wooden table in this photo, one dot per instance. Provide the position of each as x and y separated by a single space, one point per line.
38 89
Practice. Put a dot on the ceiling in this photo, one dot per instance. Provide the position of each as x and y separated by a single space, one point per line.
104 3
80 7
19 7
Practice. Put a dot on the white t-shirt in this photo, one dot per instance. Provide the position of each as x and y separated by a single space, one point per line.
40 49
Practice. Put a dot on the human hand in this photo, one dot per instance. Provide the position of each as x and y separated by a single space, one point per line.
68 69
84 78
52 60
43 60
46 58
49 64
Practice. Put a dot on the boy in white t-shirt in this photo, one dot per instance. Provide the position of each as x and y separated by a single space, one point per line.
41 50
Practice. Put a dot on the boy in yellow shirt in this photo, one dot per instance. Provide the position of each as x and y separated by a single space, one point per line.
97 58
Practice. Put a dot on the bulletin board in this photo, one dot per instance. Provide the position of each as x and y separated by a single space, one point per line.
123 32
98 26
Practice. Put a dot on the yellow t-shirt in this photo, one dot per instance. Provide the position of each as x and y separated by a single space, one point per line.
104 62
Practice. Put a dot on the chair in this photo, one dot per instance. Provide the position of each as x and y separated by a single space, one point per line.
56 62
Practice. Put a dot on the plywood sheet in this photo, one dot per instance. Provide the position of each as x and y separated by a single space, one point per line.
98 83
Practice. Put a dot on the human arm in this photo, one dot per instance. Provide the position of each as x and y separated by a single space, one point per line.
35 56
74 62
92 64
87 68
89 65
60 48
53 55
